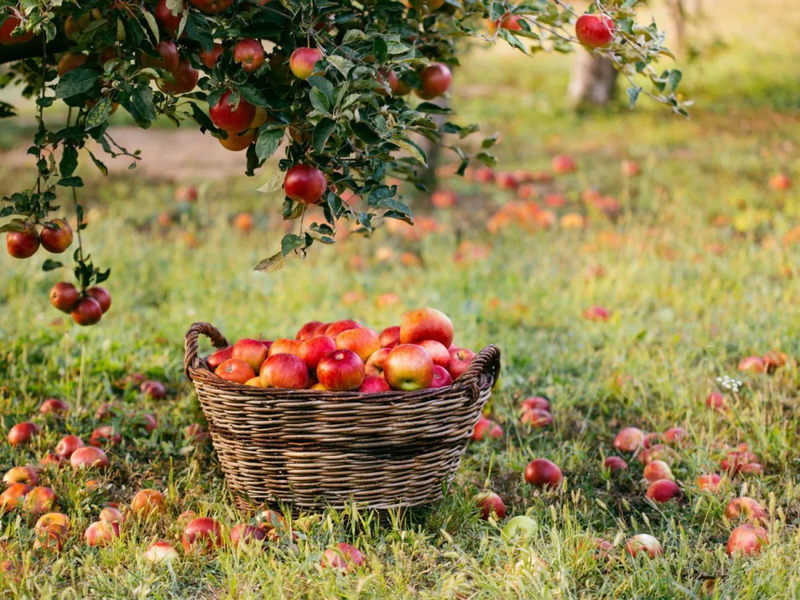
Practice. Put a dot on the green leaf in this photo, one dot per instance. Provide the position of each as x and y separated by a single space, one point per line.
142 101
268 142
99 113
76 82
365 132
322 132
51 265
71 182
674 79
633 95
341 64
272 184
380 49
272 264
254 96
322 84
98 163
151 23
319 101
415 151
69 161
290 243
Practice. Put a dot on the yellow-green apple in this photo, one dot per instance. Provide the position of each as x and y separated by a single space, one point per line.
54 407
253 352
219 357
303 60
101 533
519 527
181 81
594 30
231 119
542 473
563 164
64 296
489 504
390 336
408 367
148 502
643 543
747 539
345 557
243 534
629 439
341 371
375 363
535 402
102 296
436 79
536 417
614 464
305 184
656 470
439 353
168 57
105 435
308 330
363 341
285 371
235 370
663 490
460 359
746 507
87 311
56 236
285 346
39 500
709 482
202 535
160 552
312 350
22 244
13 496
210 58
426 324
249 53
89 457
68 444
20 475
22 433
374 385
169 22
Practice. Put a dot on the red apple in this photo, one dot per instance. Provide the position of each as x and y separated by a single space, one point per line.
88 457
595 30
168 21
253 352
536 418
87 311
53 521
169 58
13 496
56 235
484 175
426 324
108 410
747 539
643 543
211 7
629 439
657 452
249 53
101 533
345 557
630 168
284 371
710 482
375 365
543 473
780 182
507 21
312 350
219 357
489 504
374 385
39 500
55 407
7 37
460 359
22 244
53 459
68 444
363 341
303 60
159 552
441 378
202 535
111 514
663 490
104 436
563 164
506 181
231 119
210 58
70 61
154 390
305 184
341 371
309 330
181 81
64 296
22 433
444 198
148 502
535 402
747 507
20 475
656 470
334 329
243 534
754 364
390 336
436 79
615 464
235 370
102 296
439 353
486 427
597 314
408 367
285 346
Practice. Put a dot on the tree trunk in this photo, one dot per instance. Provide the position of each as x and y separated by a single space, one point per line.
677 13
594 80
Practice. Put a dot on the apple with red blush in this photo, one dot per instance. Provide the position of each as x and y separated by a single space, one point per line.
390 337
441 378
374 385
235 370
543 473
460 359
22 433
344 557
341 371
313 349
253 352
202 535
363 341
490 504
54 407
408 367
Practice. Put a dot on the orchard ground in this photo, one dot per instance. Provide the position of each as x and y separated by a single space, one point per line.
700 271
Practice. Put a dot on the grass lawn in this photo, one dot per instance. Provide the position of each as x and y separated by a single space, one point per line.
698 273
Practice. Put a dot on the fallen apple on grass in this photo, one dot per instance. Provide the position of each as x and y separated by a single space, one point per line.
54 407
663 490
486 428
344 556
147 503
21 475
629 439
89 457
747 539
22 433
490 504
202 535
643 544
160 552
101 533
614 464
543 473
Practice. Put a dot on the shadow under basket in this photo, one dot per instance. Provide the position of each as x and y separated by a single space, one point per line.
313 449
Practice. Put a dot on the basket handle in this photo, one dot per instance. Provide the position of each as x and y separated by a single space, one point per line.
192 361
486 362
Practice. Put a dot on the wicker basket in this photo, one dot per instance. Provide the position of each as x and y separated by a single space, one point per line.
312 449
